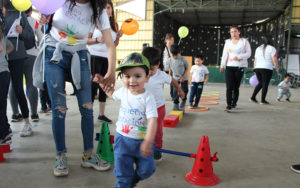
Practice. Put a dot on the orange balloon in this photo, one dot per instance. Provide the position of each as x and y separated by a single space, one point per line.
130 26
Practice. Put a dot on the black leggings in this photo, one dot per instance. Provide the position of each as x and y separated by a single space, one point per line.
16 72
264 76
100 66
233 81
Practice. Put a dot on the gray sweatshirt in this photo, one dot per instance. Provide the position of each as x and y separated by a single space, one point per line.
5 45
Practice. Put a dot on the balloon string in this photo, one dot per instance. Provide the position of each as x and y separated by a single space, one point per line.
17 45
179 41
44 49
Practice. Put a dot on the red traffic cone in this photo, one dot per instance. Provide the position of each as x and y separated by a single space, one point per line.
202 173
6 148
1 155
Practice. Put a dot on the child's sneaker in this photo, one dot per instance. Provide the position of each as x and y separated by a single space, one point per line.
95 162
61 166
157 155
288 100
26 131
176 107
296 168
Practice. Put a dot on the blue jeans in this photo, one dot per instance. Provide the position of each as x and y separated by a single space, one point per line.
4 125
185 88
55 79
196 89
126 153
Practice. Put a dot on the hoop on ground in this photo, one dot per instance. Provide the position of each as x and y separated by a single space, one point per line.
209 97
208 102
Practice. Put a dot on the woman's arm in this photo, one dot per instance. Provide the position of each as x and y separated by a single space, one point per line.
224 57
275 62
247 53
109 78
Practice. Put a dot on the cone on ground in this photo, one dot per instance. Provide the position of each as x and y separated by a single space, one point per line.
105 148
6 148
202 173
2 155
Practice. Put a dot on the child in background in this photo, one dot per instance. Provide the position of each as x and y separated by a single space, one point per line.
136 125
178 70
199 75
283 88
155 85
5 48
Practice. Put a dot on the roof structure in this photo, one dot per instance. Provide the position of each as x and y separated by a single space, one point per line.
221 12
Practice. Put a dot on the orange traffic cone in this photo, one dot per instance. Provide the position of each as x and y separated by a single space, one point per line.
202 173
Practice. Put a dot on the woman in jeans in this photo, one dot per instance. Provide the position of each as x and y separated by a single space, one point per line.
235 54
98 53
66 54
265 59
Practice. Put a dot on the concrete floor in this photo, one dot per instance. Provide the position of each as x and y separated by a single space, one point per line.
256 145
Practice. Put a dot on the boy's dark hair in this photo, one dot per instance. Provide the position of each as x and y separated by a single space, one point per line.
152 54
169 36
28 10
287 75
175 49
143 67
199 56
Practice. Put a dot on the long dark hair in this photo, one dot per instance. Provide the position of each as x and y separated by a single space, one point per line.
266 40
97 6
112 19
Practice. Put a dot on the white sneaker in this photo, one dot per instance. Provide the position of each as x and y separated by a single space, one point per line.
26 131
95 162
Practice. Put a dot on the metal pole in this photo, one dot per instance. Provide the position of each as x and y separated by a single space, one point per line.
218 52
289 35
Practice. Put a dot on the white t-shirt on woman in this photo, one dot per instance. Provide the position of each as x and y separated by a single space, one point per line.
264 57
99 49
73 27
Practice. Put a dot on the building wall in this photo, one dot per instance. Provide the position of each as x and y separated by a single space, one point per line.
134 43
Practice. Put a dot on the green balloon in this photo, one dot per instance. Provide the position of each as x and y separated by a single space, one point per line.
183 32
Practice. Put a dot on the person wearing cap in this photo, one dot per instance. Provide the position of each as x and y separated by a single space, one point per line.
136 125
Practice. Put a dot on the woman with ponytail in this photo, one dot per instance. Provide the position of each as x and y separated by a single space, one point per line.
66 57
265 60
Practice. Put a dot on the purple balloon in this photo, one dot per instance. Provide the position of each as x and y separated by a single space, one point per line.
47 7
253 80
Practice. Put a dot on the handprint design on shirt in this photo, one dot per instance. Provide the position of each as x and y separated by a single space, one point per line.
126 128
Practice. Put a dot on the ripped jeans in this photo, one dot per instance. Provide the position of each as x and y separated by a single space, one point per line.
55 79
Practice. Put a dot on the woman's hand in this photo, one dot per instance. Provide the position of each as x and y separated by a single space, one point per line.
120 34
108 83
19 29
221 70
43 19
235 59
100 39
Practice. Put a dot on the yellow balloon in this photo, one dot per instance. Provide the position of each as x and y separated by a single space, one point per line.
183 32
21 5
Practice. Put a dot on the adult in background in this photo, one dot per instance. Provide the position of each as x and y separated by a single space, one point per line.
32 92
65 46
99 55
236 51
265 59
16 60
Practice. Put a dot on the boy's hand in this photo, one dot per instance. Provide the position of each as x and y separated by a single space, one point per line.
146 148
181 94
181 80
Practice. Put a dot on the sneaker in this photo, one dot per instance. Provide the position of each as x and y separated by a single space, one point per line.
61 166
234 107
253 100
104 119
44 111
6 140
264 102
288 100
157 155
95 162
278 100
296 168
191 107
35 117
26 131
195 105
182 104
176 107
16 118
228 109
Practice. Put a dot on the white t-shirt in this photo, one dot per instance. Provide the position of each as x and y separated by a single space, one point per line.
265 60
198 73
72 27
156 86
99 49
134 112
233 51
